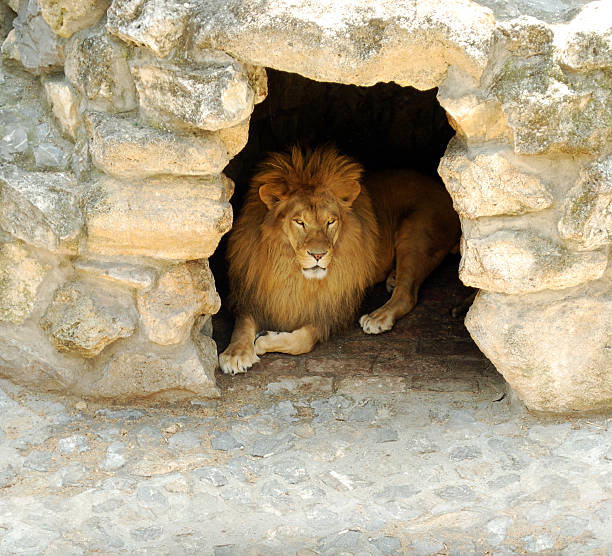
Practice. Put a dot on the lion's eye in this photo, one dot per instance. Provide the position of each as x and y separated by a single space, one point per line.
299 222
331 221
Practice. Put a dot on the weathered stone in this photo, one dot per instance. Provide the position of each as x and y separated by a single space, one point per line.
475 118
585 43
155 24
587 217
142 371
518 261
84 319
182 293
235 138
525 36
126 148
41 208
186 221
37 47
49 156
66 17
9 47
549 112
6 20
96 65
65 104
552 348
353 42
20 276
140 277
208 96
489 184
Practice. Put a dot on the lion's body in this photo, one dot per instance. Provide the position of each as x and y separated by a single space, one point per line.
306 280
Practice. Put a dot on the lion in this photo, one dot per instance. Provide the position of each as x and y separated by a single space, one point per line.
314 234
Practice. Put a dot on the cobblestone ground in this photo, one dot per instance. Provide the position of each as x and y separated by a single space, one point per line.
399 444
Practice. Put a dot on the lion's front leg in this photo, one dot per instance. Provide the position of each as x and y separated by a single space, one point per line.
240 354
301 340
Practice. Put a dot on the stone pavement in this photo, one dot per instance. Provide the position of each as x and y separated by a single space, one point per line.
407 443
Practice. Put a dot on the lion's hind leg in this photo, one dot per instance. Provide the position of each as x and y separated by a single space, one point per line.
240 354
301 340
418 251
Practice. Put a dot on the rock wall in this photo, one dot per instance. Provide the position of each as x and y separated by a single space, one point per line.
113 197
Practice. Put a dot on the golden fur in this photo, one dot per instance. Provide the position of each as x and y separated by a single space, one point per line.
266 279
309 242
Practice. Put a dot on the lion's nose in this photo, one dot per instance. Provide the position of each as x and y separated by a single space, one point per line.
318 255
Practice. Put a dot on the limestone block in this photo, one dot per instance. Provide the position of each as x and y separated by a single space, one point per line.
137 276
585 43
84 318
525 36
41 208
96 64
37 47
519 261
552 348
352 41
21 274
65 104
489 184
9 47
155 24
475 118
551 112
127 148
208 97
587 217
182 293
6 20
167 218
149 371
235 138
66 17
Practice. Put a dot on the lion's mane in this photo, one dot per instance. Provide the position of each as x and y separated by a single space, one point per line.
265 279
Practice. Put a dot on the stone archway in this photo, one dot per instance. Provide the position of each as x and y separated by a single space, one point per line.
104 267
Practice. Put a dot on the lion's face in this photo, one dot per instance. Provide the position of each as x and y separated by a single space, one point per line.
312 227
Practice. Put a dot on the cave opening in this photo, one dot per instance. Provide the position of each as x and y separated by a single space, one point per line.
383 126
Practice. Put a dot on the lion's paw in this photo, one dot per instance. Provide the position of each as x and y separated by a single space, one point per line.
262 342
376 322
237 359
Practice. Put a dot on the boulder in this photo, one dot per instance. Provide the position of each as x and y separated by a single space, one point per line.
64 103
352 42
587 216
167 217
521 261
66 17
84 318
21 273
553 348
489 184
35 45
128 274
96 65
182 292
126 148
150 371
207 96
41 208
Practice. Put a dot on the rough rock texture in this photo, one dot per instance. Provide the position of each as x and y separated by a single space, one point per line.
20 276
36 46
64 104
519 262
172 373
206 96
490 184
126 148
96 64
40 208
186 221
66 17
140 277
521 336
181 294
587 218
84 319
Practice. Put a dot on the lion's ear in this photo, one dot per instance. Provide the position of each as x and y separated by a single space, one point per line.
272 194
346 191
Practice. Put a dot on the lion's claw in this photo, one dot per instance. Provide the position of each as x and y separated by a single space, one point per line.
237 359
376 323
